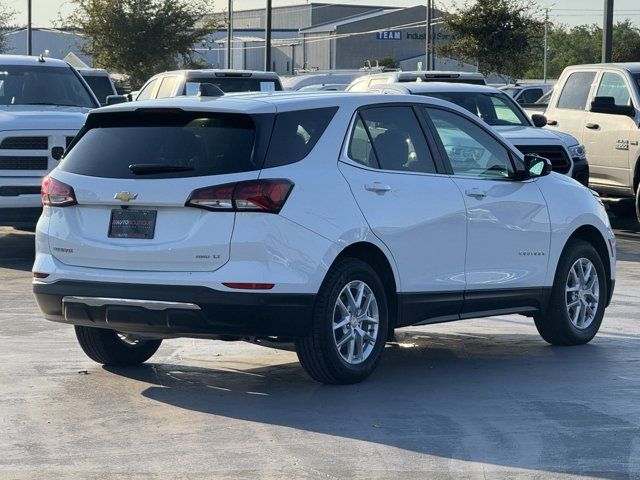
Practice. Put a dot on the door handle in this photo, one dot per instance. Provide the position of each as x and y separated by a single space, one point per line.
553 123
592 126
377 187
475 193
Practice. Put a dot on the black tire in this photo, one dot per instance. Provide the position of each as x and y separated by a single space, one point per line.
106 347
624 208
554 324
318 353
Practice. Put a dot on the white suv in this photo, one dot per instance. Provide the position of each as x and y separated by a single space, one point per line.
43 104
327 219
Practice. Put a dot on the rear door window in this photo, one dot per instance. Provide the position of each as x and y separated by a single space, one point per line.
167 145
295 134
613 85
167 86
398 140
576 91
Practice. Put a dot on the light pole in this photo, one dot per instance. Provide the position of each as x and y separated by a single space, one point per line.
546 33
267 38
229 33
607 31
427 40
29 44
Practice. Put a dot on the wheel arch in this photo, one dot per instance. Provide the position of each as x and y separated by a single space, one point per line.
378 260
592 235
636 175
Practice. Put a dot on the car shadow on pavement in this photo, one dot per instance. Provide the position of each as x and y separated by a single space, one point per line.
507 400
17 249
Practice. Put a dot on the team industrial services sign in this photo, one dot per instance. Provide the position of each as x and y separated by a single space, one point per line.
389 35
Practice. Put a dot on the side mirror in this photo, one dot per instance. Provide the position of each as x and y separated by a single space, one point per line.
539 120
608 105
115 99
536 166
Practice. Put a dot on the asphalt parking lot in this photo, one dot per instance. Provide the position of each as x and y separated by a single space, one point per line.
475 399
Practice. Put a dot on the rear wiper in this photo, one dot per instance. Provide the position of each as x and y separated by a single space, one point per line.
150 168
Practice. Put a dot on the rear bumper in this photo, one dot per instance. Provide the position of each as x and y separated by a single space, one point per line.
175 310
20 217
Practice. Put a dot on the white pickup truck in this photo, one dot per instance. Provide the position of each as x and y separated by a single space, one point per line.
43 104
600 105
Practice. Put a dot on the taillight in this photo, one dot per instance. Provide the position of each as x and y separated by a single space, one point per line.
266 196
57 194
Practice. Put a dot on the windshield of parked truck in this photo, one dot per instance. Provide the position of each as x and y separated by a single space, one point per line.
42 85
493 108
101 86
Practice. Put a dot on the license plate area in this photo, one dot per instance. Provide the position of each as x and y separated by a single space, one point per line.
129 223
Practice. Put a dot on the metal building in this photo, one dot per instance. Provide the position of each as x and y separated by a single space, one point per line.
334 36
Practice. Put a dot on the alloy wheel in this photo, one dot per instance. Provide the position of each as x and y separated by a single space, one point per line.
582 293
355 322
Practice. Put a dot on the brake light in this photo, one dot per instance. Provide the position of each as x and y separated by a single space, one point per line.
40 275
54 193
266 196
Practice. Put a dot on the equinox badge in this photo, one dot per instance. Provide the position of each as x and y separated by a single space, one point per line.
125 196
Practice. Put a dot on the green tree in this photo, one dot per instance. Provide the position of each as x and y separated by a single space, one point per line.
502 36
6 19
142 37
387 62
583 44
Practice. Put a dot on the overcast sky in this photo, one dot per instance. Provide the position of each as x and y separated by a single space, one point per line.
572 12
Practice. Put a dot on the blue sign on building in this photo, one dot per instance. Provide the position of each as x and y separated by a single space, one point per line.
389 35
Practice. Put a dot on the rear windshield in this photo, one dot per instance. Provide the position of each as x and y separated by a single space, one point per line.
101 87
42 85
166 144
238 84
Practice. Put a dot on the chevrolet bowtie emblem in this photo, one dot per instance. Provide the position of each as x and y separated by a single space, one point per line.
125 196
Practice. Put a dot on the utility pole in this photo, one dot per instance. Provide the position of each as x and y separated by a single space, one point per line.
267 38
427 40
546 33
607 31
29 44
230 34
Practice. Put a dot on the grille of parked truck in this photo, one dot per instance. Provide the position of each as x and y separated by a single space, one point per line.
43 104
